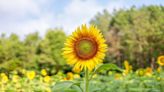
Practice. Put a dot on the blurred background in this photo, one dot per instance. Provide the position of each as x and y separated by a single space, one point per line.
33 32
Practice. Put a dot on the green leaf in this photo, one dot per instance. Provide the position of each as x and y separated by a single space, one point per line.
77 88
62 86
69 90
106 67
66 86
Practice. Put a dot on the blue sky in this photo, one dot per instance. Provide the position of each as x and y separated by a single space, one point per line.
27 16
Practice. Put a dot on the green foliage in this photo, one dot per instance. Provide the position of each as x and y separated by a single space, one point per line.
32 52
30 56
131 82
106 67
11 51
135 35
50 49
66 86
102 20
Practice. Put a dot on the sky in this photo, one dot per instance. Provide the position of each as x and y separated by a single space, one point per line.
28 16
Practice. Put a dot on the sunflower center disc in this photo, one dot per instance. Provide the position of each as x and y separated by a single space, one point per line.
85 48
162 60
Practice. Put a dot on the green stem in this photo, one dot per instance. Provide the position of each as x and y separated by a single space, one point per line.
86 80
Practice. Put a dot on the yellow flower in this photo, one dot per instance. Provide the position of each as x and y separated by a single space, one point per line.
3 74
76 70
69 76
128 68
44 72
76 76
161 60
31 75
148 71
48 89
159 69
47 79
158 78
85 48
140 72
15 78
4 78
118 76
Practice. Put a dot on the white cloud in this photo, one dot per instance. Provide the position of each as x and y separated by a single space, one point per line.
79 12
25 27
16 15
115 5
18 8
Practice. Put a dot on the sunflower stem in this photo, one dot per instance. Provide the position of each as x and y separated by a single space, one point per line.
86 81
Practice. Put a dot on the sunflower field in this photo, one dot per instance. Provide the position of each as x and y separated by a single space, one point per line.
141 80
118 52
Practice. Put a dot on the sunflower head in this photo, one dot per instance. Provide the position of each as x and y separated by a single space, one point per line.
85 48
148 71
47 79
128 67
4 78
44 72
161 60
31 75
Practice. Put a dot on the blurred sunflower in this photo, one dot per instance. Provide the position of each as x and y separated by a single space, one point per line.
31 75
118 76
85 48
148 71
4 78
69 76
140 72
128 68
47 79
161 60
76 70
44 72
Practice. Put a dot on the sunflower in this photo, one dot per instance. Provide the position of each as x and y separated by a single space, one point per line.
47 79
69 76
148 71
31 75
161 60
4 78
85 48
128 67
44 72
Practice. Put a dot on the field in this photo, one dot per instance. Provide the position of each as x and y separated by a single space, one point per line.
142 80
